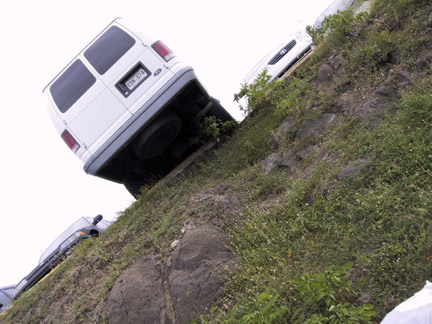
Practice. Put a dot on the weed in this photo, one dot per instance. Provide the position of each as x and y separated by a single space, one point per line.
312 247
254 94
327 298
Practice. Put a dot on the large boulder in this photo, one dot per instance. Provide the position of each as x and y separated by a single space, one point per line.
176 289
195 275
138 296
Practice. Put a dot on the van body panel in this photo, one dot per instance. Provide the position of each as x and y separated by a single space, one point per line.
107 110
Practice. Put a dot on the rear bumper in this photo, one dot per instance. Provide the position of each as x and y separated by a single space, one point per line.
139 120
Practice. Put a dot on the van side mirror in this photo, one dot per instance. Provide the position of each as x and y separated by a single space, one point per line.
97 219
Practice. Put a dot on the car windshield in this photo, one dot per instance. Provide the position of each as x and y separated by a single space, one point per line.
4 300
79 224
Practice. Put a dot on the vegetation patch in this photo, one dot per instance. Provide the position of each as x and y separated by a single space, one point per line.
342 239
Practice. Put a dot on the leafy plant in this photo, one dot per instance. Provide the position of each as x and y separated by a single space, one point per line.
379 46
264 310
253 94
327 296
212 127
340 26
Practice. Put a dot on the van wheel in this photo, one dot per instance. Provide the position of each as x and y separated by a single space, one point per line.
153 141
133 184
219 111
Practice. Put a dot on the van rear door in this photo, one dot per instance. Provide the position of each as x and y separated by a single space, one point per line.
127 65
85 104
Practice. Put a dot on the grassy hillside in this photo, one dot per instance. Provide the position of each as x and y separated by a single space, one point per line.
338 232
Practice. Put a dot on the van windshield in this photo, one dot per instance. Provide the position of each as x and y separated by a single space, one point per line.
108 49
71 85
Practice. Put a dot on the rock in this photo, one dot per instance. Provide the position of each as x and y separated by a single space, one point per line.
425 62
215 199
290 160
336 61
138 296
177 291
315 125
325 73
372 108
398 79
271 162
304 152
285 129
344 102
353 170
195 277
387 91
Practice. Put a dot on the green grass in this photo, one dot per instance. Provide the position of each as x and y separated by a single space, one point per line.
313 248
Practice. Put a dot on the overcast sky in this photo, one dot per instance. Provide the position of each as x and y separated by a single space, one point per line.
43 186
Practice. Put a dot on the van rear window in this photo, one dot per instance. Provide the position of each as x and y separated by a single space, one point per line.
71 85
108 49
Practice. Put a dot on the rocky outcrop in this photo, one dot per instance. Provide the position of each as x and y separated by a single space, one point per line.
178 288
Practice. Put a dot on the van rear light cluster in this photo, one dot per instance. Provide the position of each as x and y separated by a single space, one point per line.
163 51
70 141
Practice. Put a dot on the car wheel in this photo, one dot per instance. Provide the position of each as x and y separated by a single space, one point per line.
219 111
153 141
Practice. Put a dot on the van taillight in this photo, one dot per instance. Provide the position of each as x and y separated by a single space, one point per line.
70 141
163 51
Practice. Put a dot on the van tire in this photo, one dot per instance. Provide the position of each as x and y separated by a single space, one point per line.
219 111
133 183
154 140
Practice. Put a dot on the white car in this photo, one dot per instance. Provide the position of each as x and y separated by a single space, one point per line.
284 58
337 5
127 107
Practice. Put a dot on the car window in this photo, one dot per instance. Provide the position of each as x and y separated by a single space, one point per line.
71 85
79 224
108 49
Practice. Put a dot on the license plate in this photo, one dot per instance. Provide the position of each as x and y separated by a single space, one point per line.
136 79
132 79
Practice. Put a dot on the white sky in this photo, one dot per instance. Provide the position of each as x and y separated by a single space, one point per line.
43 186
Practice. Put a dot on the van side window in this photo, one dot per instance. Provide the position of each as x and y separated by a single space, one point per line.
71 85
108 49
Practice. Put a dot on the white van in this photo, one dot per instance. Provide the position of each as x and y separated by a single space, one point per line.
127 107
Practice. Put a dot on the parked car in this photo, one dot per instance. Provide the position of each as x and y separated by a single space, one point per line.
337 5
55 253
6 297
127 107
284 58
